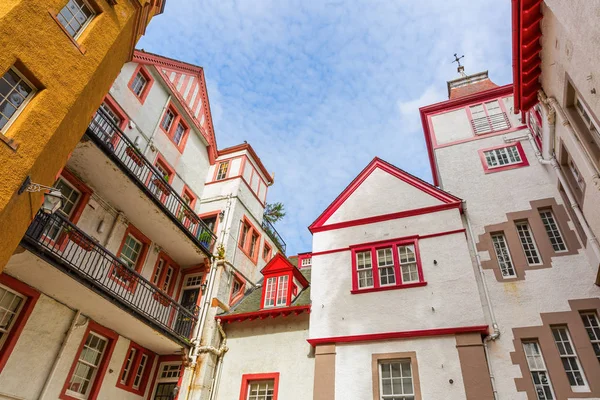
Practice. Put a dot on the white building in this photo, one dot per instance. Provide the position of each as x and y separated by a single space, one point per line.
114 296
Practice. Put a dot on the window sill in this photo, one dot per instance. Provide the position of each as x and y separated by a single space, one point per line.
384 288
506 167
80 47
9 142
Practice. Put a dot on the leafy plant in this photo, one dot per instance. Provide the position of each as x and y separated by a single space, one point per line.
274 212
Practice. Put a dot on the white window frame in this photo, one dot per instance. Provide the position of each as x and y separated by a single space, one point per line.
536 370
23 105
139 374
399 396
128 364
528 243
95 367
503 264
136 82
572 355
83 26
575 173
126 259
591 323
270 292
408 264
16 312
282 290
586 116
386 266
365 268
222 173
171 119
306 262
269 385
170 379
497 156
553 231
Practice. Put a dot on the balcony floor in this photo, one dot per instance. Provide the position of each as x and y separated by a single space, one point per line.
50 280
98 171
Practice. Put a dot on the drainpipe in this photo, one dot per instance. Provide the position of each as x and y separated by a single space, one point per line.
118 218
60 353
495 330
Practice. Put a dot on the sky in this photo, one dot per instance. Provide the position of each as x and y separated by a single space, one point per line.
319 88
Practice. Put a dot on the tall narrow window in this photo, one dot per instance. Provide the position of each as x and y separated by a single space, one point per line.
270 292
539 374
267 251
75 16
131 251
140 371
396 380
178 135
127 365
168 120
87 366
282 290
253 244
385 263
222 171
364 269
556 239
15 92
70 199
408 264
568 357
531 252
139 84
10 306
592 327
166 381
503 255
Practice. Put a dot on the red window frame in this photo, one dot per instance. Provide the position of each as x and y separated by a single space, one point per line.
177 119
118 110
288 295
247 379
162 162
185 219
31 297
136 233
135 363
168 262
218 166
112 340
149 82
269 252
245 242
212 214
235 296
524 162
372 248
483 104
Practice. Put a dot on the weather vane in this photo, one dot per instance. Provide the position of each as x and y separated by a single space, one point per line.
461 68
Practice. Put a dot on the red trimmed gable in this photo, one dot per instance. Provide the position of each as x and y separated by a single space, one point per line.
438 199
278 265
187 83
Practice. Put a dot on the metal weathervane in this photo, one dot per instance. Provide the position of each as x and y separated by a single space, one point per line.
460 68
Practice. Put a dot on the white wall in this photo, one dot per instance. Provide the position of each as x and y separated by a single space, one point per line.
277 346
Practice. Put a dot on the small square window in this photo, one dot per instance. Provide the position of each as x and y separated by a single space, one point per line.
75 16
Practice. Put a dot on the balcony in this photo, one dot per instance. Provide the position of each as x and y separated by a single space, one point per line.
274 235
109 138
52 238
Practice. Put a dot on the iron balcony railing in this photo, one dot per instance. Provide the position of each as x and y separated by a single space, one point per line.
491 123
108 136
274 235
56 240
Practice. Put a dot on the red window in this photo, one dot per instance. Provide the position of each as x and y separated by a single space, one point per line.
175 127
132 253
386 265
140 83
260 386
90 363
165 273
136 369
503 157
249 240
237 289
276 291
267 251
488 117
222 171
16 304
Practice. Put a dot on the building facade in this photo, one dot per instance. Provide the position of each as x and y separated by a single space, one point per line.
158 230
59 58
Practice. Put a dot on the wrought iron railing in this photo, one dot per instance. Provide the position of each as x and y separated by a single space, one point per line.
274 235
491 123
58 241
109 137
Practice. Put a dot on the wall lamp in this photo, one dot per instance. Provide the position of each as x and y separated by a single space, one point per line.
52 198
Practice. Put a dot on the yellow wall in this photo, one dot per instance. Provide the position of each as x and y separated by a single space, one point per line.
72 87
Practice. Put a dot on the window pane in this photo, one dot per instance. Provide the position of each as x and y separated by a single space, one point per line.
592 327
552 230
385 263
282 289
74 16
270 292
87 364
364 269
568 356
408 263
528 244
396 379
10 305
538 371
503 255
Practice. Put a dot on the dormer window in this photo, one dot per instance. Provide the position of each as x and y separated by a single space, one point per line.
283 283
276 291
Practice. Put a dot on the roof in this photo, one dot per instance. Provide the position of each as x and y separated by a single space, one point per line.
188 84
470 84
249 307
320 223
249 149
526 18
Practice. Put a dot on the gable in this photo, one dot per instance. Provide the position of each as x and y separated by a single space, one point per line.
380 190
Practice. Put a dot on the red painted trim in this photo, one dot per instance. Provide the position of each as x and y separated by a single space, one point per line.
149 83
161 360
212 214
280 264
449 105
177 119
490 170
387 217
384 288
248 240
86 193
482 329
117 109
263 314
303 256
248 378
135 363
31 297
112 340
135 232
168 262
256 159
162 162
234 299
227 173
378 163
479 137
432 235
269 251
325 252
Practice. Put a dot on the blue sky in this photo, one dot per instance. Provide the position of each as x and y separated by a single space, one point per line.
319 88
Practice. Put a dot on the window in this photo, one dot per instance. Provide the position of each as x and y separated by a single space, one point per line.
15 93
488 117
179 132
131 251
539 374
531 252
586 116
139 84
276 291
502 156
386 266
503 255
11 303
101 124
222 171
569 357
70 200
174 127
160 180
270 292
136 369
267 251
237 289
165 273
75 16
259 386
556 238
282 290
166 382
576 174
396 382
592 327
249 241
306 262
168 120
